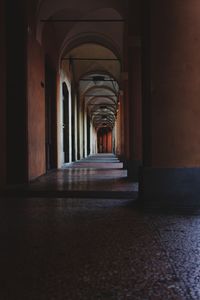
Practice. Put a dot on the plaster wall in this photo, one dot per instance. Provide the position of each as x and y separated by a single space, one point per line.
36 110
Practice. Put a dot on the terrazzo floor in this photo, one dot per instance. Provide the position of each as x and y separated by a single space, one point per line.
96 248
100 175
89 249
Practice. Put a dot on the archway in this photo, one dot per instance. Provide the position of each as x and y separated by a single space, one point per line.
93 72
65 122
104 136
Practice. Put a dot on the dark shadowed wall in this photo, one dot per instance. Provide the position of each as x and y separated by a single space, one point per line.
2 95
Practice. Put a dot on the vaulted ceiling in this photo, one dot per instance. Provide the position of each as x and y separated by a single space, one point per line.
89 34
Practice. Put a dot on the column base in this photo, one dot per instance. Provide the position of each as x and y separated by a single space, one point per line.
169 186
133 167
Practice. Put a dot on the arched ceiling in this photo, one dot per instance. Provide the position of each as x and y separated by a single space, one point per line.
78 11
96 70
93 49
100 95
111 33
88 58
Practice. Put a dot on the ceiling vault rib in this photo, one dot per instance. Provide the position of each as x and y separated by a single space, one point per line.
109 111
89 59
107 104
110 105
100 95
112 80
83 20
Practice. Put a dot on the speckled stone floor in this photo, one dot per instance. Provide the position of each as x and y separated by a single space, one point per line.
96 249
100 175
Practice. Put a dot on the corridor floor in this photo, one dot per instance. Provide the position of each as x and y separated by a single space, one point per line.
92 249
96 248
100 175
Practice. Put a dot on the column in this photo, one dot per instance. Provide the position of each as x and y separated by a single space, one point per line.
75 127
16 92
85 131
171 172
2 95
135 107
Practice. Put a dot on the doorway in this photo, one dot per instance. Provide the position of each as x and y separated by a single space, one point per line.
50 101
65 122
104 136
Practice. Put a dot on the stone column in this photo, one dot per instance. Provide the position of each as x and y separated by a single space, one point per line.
16 92
171 172
125 120
2 95
135 107
124 100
